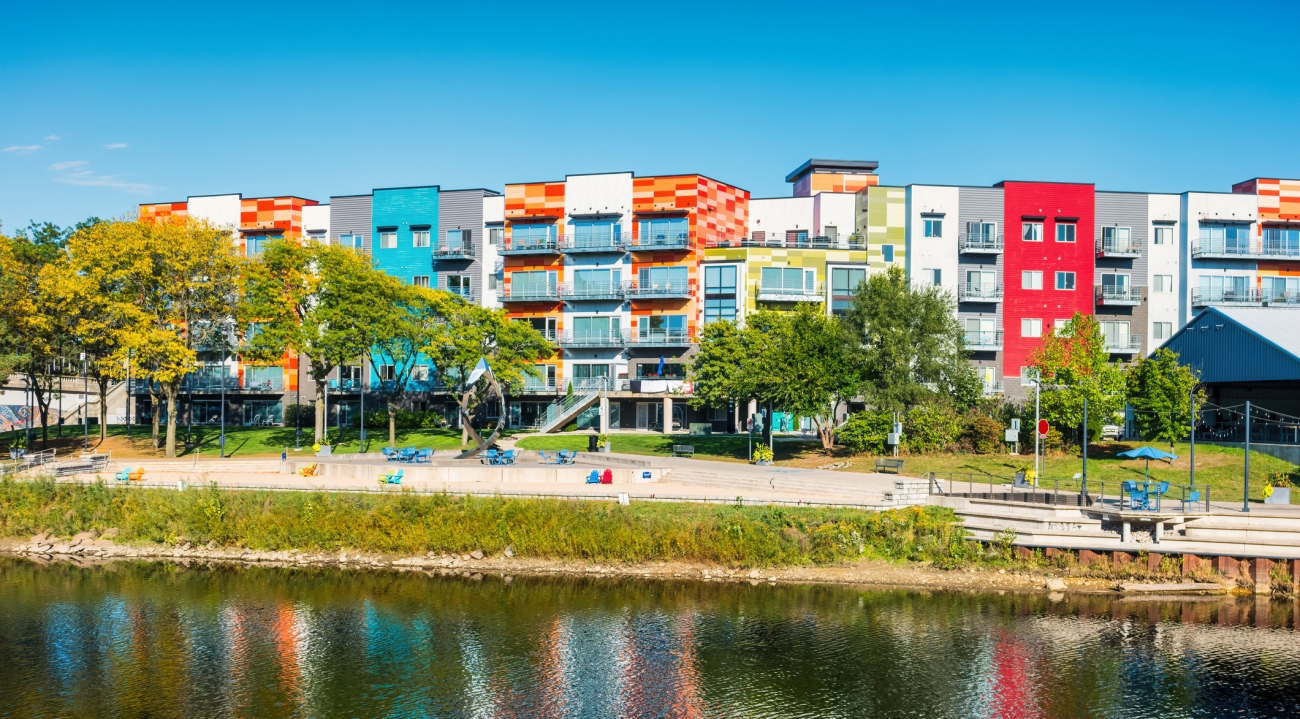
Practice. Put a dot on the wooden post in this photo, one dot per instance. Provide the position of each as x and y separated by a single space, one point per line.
1259 569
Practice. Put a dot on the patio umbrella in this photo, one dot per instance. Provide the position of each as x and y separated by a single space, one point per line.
1147 453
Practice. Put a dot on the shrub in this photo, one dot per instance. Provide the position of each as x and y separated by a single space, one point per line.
931 428
296 415
763 453
405 419
981 434
866 431
571 427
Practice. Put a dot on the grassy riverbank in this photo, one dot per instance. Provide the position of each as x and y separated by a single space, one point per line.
415 524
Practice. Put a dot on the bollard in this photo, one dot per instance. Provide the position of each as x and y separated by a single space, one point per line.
180 485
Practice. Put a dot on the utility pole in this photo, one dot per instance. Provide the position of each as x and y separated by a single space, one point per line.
1245 490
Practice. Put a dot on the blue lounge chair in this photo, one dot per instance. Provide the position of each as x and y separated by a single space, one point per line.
393 476
594 477
490 456
124 475
390 454
424 455
406 454
1194 497
508 457
567 456
547 457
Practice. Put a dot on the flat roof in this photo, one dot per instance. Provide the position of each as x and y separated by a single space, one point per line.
854 167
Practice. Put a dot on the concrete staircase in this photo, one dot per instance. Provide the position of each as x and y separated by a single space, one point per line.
812 486
568 408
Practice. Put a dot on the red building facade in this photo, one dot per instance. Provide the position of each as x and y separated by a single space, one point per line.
1049 260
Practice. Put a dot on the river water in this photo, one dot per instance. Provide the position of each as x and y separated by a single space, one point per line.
160 640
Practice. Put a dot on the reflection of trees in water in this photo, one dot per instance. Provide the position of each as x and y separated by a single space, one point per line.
268 643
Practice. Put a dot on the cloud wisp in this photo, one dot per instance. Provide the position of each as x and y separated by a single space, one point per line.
53 138
23 149
115 145
59 166
78 172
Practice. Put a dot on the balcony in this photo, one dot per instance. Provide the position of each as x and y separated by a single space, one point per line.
992 389
658 338
550 293
984 341
779 293
1272 297
465 294
1119 249
635 290
1205 297
590 292
461 251
1116 296
520 246
538 386
979 292
586 243
979 244
1244 250
591 338
346 386
797 243
656 243
412 385
1123 344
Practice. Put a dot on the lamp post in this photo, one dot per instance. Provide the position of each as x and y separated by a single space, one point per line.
128 394
1083 487
1245 488
85 404
361 441
1191 399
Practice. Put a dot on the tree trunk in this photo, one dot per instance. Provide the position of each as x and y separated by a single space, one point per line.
392 425
171 393
320 412
103 411
155 404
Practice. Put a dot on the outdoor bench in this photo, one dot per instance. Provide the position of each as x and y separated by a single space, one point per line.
685 449
884 463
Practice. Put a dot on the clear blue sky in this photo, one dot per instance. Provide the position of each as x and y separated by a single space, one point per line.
106 106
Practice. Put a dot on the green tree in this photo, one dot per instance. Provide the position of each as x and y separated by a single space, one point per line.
911 344
468 333
723 370
1073 365
1161 392
809 366
304 299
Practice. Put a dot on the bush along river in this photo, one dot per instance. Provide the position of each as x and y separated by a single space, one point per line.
137 639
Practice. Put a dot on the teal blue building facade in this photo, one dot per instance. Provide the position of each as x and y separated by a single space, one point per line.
405 228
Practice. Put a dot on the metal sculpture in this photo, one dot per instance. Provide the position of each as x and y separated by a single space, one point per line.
480 370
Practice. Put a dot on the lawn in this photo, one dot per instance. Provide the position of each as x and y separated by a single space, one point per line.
1219 467
248 441
726 447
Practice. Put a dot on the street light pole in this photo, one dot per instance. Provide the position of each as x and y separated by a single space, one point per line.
1192 435
1083 490
1245 489
1038 390
128 394
222 441
85 403
361 442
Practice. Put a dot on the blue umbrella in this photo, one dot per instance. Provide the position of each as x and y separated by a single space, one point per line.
1147 453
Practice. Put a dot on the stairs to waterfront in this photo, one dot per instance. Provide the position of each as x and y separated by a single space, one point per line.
568 408
811 486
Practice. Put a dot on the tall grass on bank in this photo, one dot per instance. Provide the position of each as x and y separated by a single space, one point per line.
408 523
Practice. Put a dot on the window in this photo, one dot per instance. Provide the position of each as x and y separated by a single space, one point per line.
1032 232
934 228
1064 280
981 283
1116 285
1031 280
538 283
496 235
650 370
458 285
536 235
1031 327
386 372
420 373
796 238
1223 287
596 329
664 230
316 235
420 281
665 279
1162 330
832 233
888 251
844 284
796 280
1282 289
1163 283
492 281
595 234
256 244
1282 241
544 325
981 330
458 239
1115 334
1027 376
1065 232
1164 236
1225 239
420 238
595 282
353 241
982 234
262 413
931 276
388 239
719 293
1115 239
662 327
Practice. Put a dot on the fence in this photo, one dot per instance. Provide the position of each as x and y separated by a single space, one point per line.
1055 491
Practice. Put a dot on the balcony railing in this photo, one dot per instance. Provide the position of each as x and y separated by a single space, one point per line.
1281 298
587 243
1116 296
464 294
992 389
781 293
1123 344
1245 249
205 384
1202 297
549 293
658 338
679 241
521 246
591 338
1118 248
972 292
979 244
778 240
345 386
637 290
536 386
589 291
462 251
590 384
985 341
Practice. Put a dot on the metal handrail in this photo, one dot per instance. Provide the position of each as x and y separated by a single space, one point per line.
1112 293
529 294
591 291
529 246
577 243
1115 246
1249 295
970 291
634 289
593 338
465 250
780 241
795 293
979 243
984 339
659 337
1123 343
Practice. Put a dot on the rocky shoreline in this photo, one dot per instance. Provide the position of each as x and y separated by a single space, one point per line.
91 549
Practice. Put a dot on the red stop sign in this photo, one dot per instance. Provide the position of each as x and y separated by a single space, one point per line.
1042 427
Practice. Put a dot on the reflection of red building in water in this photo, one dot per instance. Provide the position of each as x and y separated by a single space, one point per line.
657 671
1013 689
